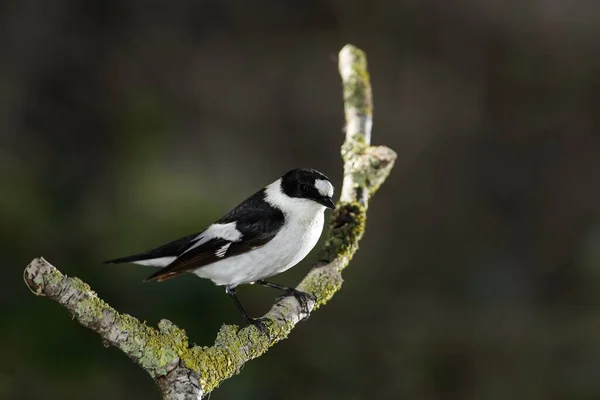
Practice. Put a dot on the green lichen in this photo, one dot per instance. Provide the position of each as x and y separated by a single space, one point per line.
54 277
89 308
357 88
233 347
380 161
351 149
154 350
80 285
42 278
322 285
347 227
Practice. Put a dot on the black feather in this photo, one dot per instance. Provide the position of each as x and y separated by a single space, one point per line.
171 249
255 219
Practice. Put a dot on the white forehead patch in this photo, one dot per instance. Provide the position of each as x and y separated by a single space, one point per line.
324 187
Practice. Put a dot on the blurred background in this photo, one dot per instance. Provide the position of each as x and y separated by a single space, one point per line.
124 124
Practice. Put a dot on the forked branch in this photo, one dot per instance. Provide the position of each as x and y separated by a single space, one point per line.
185 372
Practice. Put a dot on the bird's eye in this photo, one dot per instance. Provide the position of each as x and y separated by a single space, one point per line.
303 188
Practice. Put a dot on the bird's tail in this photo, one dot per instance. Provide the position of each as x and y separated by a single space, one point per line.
127 259
143 259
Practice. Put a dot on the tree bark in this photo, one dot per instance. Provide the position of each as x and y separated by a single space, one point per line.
184 372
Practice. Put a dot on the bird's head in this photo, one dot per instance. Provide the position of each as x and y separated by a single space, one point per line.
308 184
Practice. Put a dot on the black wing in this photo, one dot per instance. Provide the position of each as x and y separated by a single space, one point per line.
258 223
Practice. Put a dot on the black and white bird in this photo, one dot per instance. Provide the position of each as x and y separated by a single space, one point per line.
266 234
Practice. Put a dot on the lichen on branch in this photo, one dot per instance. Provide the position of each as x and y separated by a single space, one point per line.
185 372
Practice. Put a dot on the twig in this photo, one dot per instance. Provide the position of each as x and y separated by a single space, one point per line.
185 373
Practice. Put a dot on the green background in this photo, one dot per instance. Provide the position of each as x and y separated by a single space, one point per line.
127 124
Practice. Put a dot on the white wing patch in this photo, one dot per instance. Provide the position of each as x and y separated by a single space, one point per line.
324 187
222 231
222 250
156 262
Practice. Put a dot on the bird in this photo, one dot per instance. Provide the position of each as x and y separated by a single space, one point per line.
264 235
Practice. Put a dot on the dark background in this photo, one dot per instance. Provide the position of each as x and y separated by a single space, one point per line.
124 124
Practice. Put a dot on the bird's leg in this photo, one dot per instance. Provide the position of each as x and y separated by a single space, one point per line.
232 293
302 297
258 322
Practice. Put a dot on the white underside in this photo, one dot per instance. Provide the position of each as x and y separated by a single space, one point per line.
287 249
298 236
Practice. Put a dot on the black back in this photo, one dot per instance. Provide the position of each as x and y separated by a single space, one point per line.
255 219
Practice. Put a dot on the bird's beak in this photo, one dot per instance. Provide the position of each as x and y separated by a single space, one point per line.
327 202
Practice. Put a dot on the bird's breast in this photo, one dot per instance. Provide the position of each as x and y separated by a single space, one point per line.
297 239
293 242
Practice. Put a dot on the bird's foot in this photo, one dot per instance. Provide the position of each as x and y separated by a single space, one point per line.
260 324
303 298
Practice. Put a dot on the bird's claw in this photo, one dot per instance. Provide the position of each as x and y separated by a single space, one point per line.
260 324
304 299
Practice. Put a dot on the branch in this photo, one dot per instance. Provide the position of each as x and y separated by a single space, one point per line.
185 372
